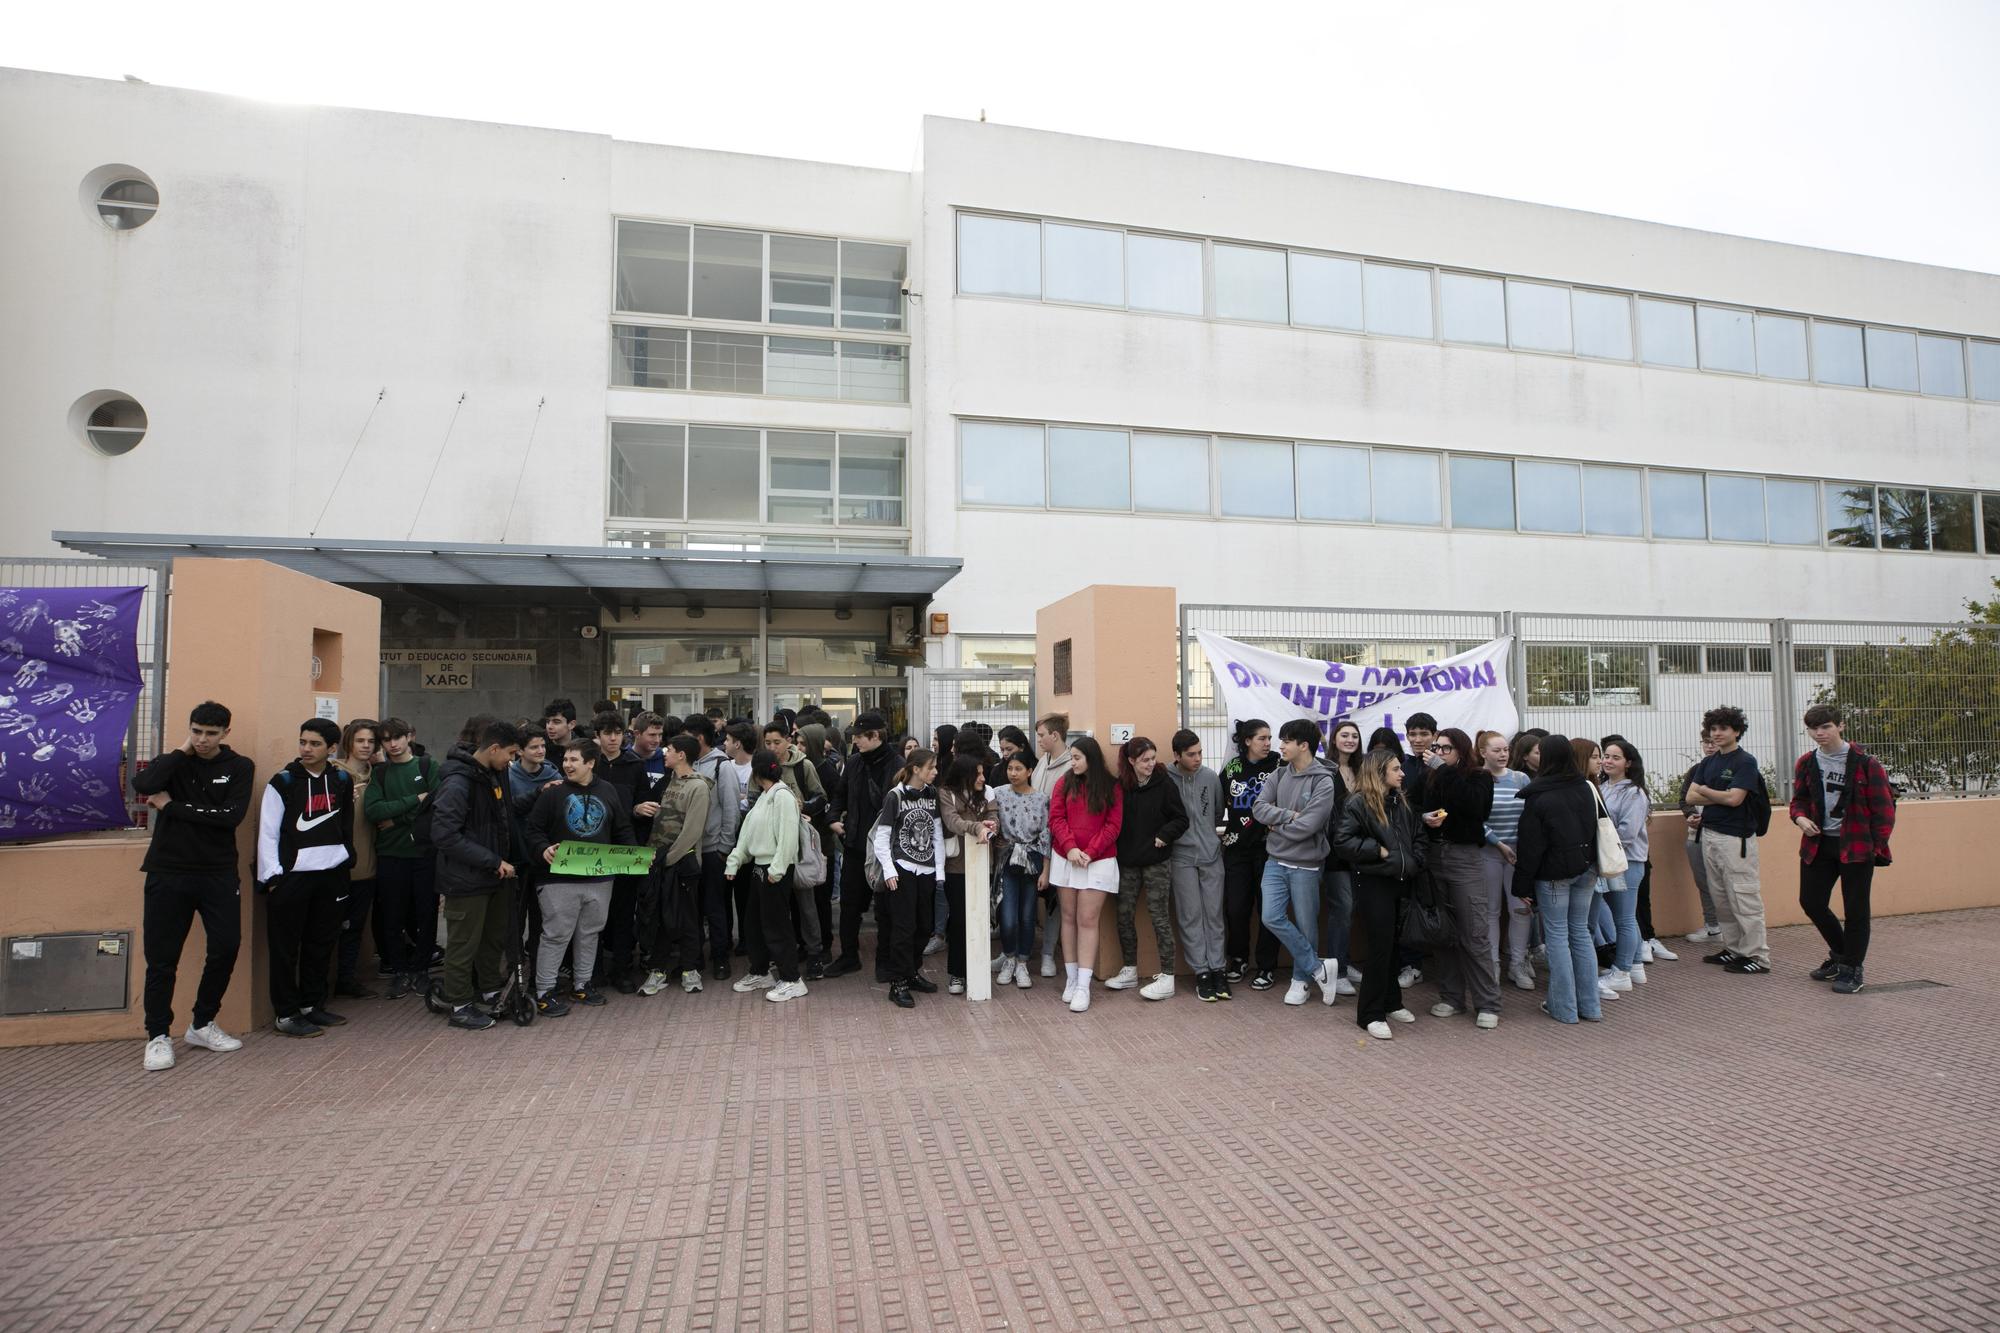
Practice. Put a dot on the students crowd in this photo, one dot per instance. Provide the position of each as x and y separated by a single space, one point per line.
1360 862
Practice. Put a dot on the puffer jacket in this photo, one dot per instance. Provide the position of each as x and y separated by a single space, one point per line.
1361 838
471 825
1558 832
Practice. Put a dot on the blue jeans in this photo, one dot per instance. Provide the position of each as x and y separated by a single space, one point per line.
1338 886
1565 911
1622 894
1017 913
1291 908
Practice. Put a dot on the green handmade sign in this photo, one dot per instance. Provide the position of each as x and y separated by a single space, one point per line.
592 860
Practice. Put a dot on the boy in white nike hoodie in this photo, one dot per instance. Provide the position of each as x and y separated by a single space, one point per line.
305 852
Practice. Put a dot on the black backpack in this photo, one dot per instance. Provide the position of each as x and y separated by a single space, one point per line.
1757 803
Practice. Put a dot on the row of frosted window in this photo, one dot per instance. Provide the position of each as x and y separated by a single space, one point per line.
671 268
670 472
1105 266
647 356
1023 465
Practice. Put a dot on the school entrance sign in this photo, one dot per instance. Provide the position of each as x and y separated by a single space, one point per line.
1468 691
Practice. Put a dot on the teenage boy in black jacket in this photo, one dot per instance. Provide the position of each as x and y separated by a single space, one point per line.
305 852
855 805
472 834
618 765
199 794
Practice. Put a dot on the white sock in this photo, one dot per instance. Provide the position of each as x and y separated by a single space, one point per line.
1069 971
1083 977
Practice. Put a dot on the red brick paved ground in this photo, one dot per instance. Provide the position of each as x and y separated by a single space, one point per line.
1736 1151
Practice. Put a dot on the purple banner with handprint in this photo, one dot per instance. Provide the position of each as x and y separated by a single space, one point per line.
69 679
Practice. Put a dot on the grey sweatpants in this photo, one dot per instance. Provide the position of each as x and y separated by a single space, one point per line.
1468 975
1198 904
573 912
1156 882
1699 868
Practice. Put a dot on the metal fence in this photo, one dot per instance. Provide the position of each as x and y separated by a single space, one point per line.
1925 698
996 696
142 738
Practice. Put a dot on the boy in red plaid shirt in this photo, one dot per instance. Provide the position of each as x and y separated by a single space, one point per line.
1843 804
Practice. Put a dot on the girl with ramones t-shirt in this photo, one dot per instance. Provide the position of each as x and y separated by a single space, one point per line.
908 844
1243 851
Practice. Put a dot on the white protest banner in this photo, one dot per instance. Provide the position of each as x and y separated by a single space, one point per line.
1468 691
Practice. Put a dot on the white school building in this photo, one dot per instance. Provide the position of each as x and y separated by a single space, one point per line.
704 428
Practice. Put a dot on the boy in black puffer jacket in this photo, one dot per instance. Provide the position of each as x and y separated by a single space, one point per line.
472 832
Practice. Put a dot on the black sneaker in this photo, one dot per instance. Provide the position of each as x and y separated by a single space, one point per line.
326 1018
471 1019
1262 981
1220 981
1849 981
291 1025
720 971
815 970
352 989
588 995
900 997
1234 972
1204 988
843 965
434 998
1828 970
1724 957
551 1005
1746 966
922 984
399 985
384 971
626 983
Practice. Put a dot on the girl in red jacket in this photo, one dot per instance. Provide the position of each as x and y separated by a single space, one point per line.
1085 812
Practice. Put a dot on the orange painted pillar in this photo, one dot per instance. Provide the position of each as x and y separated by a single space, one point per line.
1108 657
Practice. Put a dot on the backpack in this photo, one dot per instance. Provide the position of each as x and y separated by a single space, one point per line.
1757 802
871 869
810 871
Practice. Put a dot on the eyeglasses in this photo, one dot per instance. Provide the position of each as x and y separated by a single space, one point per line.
1445 747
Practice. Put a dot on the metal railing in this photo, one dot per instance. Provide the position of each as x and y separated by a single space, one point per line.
996 696
143 736
1923 697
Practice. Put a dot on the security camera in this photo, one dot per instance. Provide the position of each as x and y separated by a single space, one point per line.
906 286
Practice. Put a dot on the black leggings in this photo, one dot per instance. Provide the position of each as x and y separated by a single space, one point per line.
1243 909
1378 920
1816 880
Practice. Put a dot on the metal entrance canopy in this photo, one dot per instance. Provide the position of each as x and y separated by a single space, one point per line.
613 577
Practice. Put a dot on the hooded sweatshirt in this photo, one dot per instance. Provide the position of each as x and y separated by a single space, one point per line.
1294 808
1153 813
801 777
364 832
1049 770
306 822
195 833
1201 798
725 807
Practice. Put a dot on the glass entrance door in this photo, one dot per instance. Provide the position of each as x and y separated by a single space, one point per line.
844 700
671 698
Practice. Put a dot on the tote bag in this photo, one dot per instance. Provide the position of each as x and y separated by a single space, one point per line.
1611 862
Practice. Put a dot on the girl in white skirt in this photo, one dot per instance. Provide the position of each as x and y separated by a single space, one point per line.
1085 812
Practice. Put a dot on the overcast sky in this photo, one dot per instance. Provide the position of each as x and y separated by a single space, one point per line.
1851 124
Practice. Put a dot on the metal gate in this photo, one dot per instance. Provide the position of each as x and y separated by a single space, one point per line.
997 697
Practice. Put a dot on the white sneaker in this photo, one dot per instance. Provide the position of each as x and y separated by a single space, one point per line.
1619 980
1402 1016
691 982
210 1037
1524 977
1127 978
1006 973
754 981
1408 977
1343 986
785 990
1704 935
1486 1021
1048 964
1079 999
1443 1010
1069 990
1380 1031
1021 978
1605 991
1000 962
1161 987
1353 975
1328 977
933 944
655 982
159 1054
1638 974
1297 993
1661 953
954 986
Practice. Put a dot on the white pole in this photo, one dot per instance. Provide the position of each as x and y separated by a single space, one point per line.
978 920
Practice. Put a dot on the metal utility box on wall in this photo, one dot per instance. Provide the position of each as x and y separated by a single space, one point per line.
68 973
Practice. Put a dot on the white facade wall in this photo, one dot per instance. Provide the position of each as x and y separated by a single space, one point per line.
304 260
1047 362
